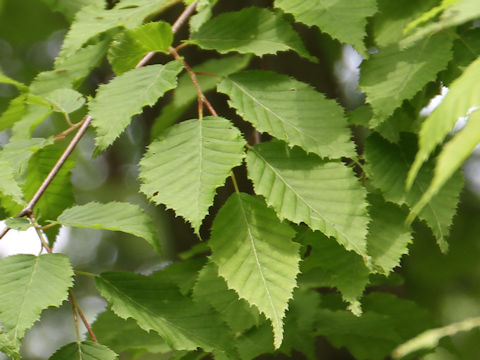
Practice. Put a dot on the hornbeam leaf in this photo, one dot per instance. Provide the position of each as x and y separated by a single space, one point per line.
130 46
126 95
341 19
116 216
85 350
393 75
249 31
94 19
291 111
188 162
302 187
185 93
255 254
28 285
388 236
158 305
462 98
389 163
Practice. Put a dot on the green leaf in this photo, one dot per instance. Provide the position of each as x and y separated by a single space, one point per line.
126 95
341 19
69 8
255 342
120 335
388 236
255 255
183 168
130 46
8 186
8 80
28 285
65 100
14 112
71 71
212 289
20 224
86 350
19 151
329 264
185 93
304 188
291 111
157 305
393 75
116 216
389 164
9 347
249 31
461 99
183 274
204 13
94 19
32 116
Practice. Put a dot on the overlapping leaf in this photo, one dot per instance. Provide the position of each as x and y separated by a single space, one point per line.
249 31
69 8
117 216
30 117
204 13
14 112
8 80
85 350
28 285
389 166
291 111
185 93
342 19
114 104
254 253
158 305
393 75
462 98
8 185
65 100
302 187
129 47
188 162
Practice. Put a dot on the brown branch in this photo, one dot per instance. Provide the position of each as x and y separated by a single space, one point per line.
184 16
82 316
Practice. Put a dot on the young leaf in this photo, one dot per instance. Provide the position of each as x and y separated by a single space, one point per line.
28 285
94 19
185 93
8 186
85 350
126 95
460 100
255 255
329 264
20 224
65 100
343 19
212 289
158 305
188 162
14 112
388 236
393 75
130 46
389 164
291 111
249 31
304 188
116 216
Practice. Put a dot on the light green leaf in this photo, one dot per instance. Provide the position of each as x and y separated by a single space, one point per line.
71 71
70 8
249 31
65 100
393 75
341 19
32 116
9 347
130 46
14 112
389 164
462 98
94 19
291 111
116 216
20 224
86 350
304 188
211 289
254 253
8 186
8 80
19 151
204 13
28 285
126 95
388 236
120 335
185 93
183 168
158 305
329 264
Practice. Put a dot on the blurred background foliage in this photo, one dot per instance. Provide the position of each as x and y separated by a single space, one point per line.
30 37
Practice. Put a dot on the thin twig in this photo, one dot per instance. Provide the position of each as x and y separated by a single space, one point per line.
183 16
75 318
82 316
64 133
38 229
4 232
